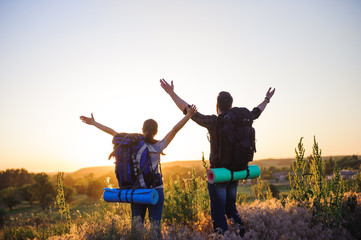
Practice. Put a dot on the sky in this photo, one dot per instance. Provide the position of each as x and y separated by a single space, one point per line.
63 59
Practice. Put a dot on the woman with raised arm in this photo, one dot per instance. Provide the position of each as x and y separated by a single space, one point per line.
150 129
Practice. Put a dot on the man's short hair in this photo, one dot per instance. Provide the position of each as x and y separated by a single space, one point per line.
224 101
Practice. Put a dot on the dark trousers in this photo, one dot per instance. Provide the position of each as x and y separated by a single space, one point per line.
223 202
154 211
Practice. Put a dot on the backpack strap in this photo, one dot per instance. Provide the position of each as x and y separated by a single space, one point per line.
120 191
232 176
152 170
140 180
131 196
126 195
247 173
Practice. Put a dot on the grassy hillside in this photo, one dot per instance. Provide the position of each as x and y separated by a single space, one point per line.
171 166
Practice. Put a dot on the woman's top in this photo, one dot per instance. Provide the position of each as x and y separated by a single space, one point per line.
154 152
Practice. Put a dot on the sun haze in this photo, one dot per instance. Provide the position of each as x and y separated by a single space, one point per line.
63 59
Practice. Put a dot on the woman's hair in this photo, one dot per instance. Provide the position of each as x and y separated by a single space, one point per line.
150 129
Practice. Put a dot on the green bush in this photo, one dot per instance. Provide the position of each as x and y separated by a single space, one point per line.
10 197
274 190
95 189
358 181
81 188
185 200
242 197
260 189
310 187
27 193
69 193
44 190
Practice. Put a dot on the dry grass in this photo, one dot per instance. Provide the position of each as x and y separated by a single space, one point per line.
263 220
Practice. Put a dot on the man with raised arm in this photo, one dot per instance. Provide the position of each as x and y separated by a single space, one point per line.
222 195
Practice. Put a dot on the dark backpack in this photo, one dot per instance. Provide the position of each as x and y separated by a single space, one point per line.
133 167
236 139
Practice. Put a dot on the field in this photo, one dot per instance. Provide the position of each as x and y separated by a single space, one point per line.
270 209
263 218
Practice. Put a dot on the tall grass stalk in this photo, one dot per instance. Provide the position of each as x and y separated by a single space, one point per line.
60 201
298 181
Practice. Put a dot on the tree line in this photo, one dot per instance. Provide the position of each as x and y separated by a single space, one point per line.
17 185
39 189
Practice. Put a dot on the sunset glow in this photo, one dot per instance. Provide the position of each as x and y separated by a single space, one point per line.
63 59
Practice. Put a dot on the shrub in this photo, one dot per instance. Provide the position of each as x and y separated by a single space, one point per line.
260 189
44 190
81 188
352 202
357 181
10 197
310 187
27 193
274 190
95 189
69 193
186 200
242 197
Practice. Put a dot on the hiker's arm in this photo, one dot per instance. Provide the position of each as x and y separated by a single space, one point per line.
169 88
91 121
267 99
169 137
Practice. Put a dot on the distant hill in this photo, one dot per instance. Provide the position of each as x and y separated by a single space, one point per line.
104 170
96 171
282 162
276 162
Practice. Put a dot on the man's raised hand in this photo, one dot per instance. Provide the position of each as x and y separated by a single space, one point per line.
270 93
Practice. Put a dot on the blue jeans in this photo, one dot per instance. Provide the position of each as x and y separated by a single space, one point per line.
154 211
223 202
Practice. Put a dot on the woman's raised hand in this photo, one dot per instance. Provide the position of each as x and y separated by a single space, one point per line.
192 110
87 120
